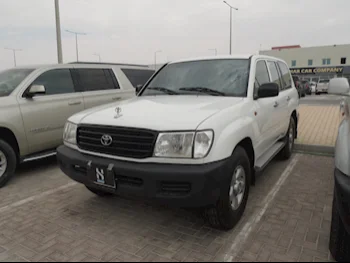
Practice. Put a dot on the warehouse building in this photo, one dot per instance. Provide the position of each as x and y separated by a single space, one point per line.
314 63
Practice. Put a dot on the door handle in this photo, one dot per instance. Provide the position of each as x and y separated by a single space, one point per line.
289 98
72 103
116 98
276 104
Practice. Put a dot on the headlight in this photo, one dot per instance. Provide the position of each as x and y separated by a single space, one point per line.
174 145
202 143
70 133
184 144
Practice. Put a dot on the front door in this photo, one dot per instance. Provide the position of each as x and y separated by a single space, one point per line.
44 116
266 112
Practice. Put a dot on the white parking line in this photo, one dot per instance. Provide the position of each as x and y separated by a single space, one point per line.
36 197
254 220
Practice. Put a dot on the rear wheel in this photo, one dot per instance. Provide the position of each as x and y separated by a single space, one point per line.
287 151
98 192
339 240
8 163
232 203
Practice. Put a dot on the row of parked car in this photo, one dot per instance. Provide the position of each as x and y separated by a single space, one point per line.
306 87
193 134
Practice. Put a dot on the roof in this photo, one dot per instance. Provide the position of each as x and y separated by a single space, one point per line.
243 56
212 58
38 66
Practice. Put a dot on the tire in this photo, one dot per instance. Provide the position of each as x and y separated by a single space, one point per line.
339 240
8 162
98 192
223 215
287 151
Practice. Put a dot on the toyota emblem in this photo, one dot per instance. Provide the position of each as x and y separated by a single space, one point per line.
106 140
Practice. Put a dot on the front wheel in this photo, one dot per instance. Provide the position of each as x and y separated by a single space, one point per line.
8 163
287 151
232 203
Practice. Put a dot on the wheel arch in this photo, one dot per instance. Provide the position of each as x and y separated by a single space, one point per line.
8 136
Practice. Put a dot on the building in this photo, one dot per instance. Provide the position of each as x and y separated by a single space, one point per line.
314 63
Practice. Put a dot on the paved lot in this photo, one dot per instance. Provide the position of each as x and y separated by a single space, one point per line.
318 125
46 217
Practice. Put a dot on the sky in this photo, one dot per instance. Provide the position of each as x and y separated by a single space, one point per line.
132 30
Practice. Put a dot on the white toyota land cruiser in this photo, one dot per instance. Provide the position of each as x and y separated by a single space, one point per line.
194 136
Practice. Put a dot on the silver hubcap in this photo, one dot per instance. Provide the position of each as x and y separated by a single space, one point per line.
3 163
237 188
291 137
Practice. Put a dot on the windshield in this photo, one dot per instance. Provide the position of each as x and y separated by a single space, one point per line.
10 79
218 77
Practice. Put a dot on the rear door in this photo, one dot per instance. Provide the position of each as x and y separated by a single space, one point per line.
288 96
44 116
98 85
137 76
280 102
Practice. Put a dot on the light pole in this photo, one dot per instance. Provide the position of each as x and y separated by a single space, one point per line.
58 33
98 55
155 58
231 8
14 54
76 41
215 50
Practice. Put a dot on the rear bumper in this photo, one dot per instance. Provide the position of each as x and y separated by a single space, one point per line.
170 184
342 197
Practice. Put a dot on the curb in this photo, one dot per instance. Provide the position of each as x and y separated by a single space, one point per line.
314 149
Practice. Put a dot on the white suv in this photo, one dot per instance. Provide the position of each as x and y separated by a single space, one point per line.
195 135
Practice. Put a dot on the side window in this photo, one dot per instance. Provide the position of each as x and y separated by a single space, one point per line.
96 79
261 76
275 77
285 73
57 81
137 76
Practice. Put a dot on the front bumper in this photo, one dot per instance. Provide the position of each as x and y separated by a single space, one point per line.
342 197
171 184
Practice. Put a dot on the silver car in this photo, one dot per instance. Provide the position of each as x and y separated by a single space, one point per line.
339 244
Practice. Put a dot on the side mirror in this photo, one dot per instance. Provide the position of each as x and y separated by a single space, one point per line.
138 88
268 90
339 86
35 90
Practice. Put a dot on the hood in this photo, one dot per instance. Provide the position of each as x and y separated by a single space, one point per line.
159 112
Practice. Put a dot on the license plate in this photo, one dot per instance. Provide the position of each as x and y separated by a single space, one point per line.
102 175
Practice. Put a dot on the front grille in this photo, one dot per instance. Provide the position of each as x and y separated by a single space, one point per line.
127 142
175 188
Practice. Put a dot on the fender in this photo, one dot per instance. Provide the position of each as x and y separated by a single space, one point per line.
342 150
226 141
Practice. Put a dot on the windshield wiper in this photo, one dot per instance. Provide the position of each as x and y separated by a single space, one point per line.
204 90
165 90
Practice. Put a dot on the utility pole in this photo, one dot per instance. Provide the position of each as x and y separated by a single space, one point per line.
155 59
231 8
215 50
76 41
98 55
14 54
58 32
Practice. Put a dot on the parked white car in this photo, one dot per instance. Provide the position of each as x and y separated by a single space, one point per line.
322 86
195 135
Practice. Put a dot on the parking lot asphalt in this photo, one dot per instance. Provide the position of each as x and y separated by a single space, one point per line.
44 216
322 99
